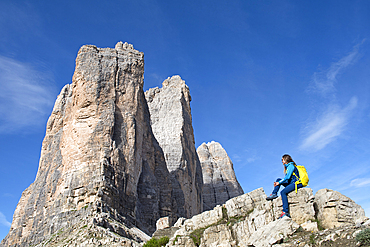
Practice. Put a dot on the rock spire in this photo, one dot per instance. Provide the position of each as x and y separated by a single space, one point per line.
171 122
220 183
99 156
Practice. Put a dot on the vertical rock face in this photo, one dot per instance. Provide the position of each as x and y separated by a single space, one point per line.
220 183
99 154
171 122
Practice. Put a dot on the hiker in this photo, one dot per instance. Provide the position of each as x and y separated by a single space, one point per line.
291 173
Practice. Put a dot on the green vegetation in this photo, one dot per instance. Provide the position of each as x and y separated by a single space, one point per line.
364 236
312 239
319 226
224 213
174 241
232 220
300 229
196 235
157 242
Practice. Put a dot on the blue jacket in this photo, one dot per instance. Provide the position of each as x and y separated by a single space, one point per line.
289 177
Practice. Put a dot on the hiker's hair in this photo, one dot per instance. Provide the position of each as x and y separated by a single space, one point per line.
287 158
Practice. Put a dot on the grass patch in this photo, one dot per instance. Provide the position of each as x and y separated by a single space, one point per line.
157 242
233 220
197 234
364 236
174 241
224 213
312 239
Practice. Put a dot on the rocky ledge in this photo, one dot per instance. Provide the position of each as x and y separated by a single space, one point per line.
326 219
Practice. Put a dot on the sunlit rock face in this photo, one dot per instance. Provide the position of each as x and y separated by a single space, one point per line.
334 209
220 183
251 220
99 154
171 122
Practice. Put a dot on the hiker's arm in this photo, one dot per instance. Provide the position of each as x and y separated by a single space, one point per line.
289 173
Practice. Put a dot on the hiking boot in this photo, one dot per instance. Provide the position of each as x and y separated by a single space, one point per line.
271 197
283 214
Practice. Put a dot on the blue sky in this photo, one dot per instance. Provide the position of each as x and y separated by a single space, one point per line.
266 78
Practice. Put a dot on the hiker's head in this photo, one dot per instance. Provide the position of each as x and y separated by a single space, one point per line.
286 159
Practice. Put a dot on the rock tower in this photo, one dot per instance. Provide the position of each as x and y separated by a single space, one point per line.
220 183
99 155
171 122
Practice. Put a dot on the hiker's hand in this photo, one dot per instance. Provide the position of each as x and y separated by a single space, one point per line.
276 184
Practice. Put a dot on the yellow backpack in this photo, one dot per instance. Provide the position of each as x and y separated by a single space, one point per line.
302 178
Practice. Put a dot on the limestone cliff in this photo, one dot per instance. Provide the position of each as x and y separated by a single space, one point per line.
171 122
220 183
99 157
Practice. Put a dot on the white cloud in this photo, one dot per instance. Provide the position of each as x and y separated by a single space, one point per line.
324 82
26 96
3 220
251 159
360 182
328 127
330 124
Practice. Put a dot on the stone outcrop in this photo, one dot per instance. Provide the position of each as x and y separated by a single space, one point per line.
99 154
171 122
241 217
220 183
251 220
273 232
334 209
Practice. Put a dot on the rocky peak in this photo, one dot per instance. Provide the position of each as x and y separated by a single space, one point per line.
99 158
120 46
220 183
171 121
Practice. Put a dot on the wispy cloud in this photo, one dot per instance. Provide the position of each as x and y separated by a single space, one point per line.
360 182
8 195
26 95
333 120
323 82
341 179
3 220
328 127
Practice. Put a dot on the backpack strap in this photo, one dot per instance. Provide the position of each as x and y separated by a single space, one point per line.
298 180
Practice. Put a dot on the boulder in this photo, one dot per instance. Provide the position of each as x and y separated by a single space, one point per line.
334 209
272 233
301 205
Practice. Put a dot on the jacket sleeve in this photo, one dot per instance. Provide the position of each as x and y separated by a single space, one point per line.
289 172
